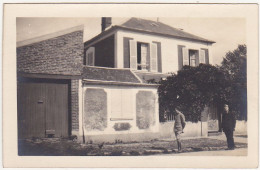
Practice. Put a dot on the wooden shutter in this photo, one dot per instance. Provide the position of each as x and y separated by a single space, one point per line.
153 58
133 54
159 57
206 56
144 53
180 56
202 56
126 52
197 62
185 53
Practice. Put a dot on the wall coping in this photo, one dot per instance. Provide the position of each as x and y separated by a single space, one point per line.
49 36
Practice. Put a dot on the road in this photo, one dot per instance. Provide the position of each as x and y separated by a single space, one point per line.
236 152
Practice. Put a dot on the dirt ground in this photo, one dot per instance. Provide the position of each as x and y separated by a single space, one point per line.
66 147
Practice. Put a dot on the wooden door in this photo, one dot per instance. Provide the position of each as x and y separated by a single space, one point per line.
57 109
42 107
31 116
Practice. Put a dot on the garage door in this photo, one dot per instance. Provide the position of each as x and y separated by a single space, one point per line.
42 109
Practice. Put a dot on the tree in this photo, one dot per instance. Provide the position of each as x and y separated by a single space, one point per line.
192 88
234 68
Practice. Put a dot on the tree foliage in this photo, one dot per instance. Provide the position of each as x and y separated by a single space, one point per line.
191 89
234 68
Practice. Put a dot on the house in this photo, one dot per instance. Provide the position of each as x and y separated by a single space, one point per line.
102 89
151 50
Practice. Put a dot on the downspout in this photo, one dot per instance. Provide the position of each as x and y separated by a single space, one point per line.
82 107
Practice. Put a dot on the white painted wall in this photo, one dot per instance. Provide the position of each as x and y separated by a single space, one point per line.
169 48
241 127
110 129
191 129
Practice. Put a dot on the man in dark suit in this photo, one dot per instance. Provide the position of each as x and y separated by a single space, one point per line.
228 126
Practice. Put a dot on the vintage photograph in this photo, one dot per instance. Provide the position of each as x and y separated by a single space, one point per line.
126 85
131 86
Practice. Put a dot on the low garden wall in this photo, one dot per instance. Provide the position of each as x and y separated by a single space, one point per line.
191 130
195 129
241 127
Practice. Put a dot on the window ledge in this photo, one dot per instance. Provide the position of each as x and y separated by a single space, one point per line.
120 119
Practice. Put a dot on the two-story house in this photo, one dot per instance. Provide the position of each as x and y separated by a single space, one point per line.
99 89
147 49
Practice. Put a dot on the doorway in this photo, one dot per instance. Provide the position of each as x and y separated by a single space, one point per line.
43 109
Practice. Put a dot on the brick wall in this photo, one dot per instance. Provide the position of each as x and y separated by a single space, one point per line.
74 105
59 55
62 55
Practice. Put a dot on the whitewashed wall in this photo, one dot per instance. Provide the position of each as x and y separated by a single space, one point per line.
169 48
110 130
196 129
191 129
241 127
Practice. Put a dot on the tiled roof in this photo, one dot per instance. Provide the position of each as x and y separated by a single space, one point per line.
150 27
109 74
150 77
160 28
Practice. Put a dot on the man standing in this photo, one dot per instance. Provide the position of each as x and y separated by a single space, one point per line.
179 125
228 125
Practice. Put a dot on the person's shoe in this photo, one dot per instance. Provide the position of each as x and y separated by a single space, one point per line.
229 148
179 151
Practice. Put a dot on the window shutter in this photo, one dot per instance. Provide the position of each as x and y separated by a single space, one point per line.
126 52
90 56
202 57
185 53
180 56
144 53
133 54
159 57
153 58
206 56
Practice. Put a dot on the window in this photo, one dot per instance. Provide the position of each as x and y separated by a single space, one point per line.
192 57
90 56
143 56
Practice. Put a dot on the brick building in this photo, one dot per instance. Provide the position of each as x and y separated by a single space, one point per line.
49 69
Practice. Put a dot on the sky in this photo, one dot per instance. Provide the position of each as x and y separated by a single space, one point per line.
228 33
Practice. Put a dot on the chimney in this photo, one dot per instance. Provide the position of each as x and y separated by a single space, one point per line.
106 22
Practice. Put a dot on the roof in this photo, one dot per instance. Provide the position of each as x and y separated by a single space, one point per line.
109 74
161 28
150 27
